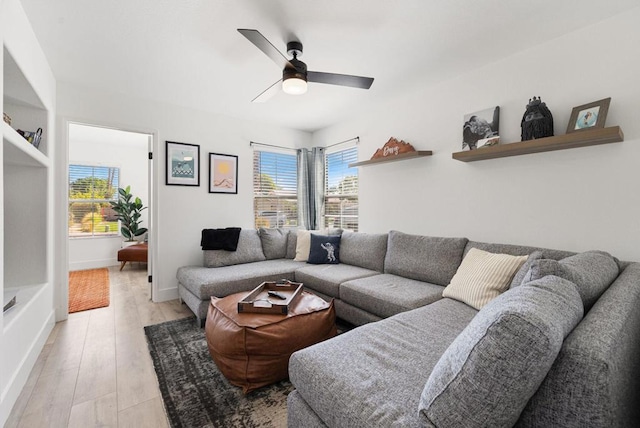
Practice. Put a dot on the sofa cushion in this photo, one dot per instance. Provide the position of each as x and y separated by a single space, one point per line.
482 277
372 376
424 258
220 282
386 295
488 374
249 250
274 242
292 241
324 249
366 250
522 272
516 250
327 278
591 271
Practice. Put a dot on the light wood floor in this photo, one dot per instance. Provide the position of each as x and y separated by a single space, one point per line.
95 369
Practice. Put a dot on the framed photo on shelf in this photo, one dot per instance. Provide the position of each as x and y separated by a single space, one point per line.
183 164
588 116
223 173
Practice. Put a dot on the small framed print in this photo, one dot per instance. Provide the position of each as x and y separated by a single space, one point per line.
223 173
183 164
588 116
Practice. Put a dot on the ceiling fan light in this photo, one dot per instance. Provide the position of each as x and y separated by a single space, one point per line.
294 86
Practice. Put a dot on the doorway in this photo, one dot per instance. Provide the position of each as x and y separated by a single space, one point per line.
101 160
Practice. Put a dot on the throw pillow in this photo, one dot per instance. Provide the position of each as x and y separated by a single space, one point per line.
303 242
302 245
482 276
591 271
324 249
522 272
220 239
274 242
491 370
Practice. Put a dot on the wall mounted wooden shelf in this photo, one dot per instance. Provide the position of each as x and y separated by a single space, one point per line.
401 156
574 140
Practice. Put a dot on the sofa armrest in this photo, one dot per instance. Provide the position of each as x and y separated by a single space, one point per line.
595 379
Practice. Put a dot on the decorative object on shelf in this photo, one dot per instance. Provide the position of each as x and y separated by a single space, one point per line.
588 116
31 137
481 129
183 164
391 151
128 210
9 300
6 118
537 121
223 173
393 147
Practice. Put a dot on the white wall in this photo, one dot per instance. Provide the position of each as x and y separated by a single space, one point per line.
90 145
577 199
182 212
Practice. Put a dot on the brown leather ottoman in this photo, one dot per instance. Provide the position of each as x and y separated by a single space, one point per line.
133 253
252 350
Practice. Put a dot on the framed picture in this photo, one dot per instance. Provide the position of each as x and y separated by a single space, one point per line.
183 164
481 129
223 173
588 116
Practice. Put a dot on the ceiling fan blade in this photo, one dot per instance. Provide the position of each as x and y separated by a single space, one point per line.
340 79
268 93
261 42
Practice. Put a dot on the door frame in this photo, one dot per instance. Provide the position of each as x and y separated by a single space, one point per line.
61 239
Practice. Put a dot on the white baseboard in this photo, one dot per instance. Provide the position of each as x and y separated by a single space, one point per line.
92 264
19 379
165 294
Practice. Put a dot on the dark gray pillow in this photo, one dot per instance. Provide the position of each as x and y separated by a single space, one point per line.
491 370
524 269
292 242
591 271
324 249
274 242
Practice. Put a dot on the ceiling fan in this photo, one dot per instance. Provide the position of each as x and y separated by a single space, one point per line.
294 72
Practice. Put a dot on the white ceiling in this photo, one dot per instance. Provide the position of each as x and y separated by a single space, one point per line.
188 52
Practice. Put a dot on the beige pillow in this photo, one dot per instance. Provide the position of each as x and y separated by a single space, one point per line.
303 246
483 276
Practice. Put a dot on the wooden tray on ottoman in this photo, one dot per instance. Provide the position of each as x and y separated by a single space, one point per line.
260 295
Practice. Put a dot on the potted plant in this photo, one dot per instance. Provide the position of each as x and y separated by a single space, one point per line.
128 209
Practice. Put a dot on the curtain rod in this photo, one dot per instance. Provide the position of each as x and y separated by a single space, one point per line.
345 141
251 143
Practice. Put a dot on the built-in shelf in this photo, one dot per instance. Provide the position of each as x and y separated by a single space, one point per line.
573 140
19 151
24 296
401 156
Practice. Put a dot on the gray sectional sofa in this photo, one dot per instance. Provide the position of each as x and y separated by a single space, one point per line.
561 347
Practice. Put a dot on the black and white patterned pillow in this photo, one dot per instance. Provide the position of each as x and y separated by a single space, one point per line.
324 249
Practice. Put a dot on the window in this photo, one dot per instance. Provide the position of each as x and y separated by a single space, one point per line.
275 189
91 188
341 190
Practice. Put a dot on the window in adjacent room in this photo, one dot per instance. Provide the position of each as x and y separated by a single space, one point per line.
91 188
341 190
275 189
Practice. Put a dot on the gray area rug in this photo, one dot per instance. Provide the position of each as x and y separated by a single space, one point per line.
194 391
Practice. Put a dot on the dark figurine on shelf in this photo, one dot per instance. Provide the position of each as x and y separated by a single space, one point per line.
537 121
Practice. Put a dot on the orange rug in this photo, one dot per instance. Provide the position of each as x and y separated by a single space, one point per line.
88 289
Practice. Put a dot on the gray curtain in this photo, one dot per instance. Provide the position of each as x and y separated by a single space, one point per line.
310 187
